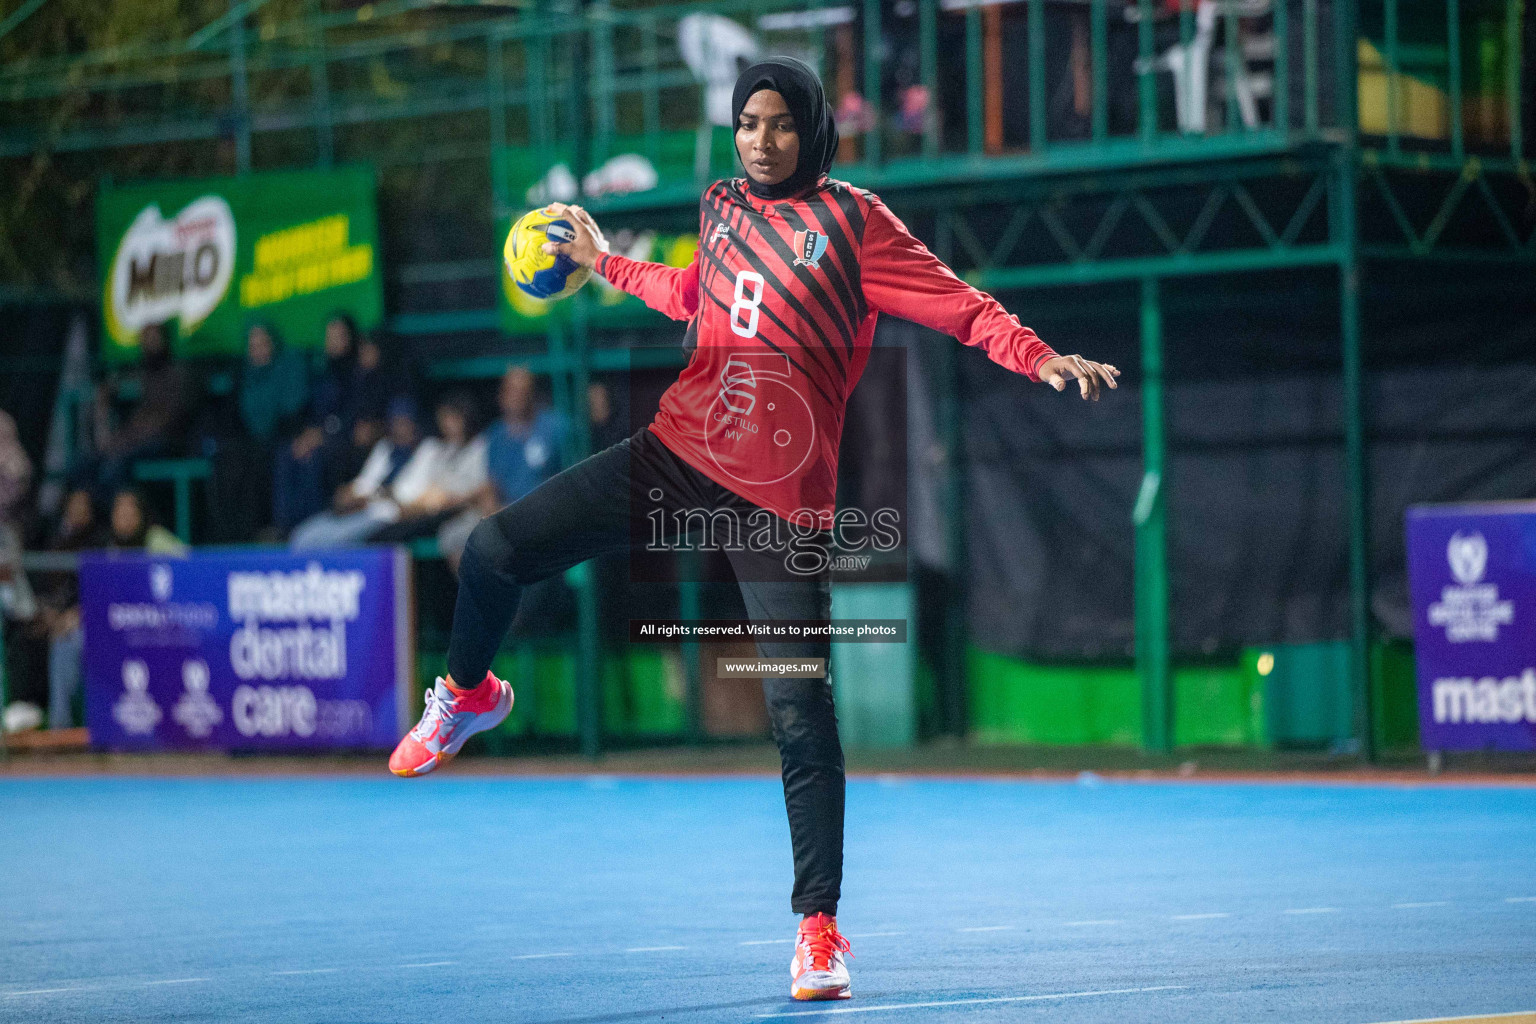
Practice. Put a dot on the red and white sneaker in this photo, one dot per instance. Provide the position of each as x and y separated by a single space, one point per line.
818 970
451 717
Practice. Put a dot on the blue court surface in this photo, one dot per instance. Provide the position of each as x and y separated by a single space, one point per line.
583 900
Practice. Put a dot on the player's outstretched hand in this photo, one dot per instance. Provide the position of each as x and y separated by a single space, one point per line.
589 237
1091 376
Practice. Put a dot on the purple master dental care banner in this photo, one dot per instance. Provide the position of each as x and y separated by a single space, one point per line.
1472 571
247 649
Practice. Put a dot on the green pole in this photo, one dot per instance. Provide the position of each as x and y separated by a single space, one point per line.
1036 15
1150 516
975 116
1453 72
1310 68
536 52
1282 67
1099 36
928 62
1357 481
1233 62
239 92
690 608
19 15
589 682
1512 65
320 86
650 115
1389 23
601 92
496 107
872 82
1146 84
181 487
951 425
819 44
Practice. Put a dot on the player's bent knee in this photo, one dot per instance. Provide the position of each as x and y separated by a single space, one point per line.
488 550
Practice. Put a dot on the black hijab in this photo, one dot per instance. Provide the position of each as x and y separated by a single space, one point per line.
807 102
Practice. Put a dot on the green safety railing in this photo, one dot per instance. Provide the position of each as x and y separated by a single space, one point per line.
1434 47
612 75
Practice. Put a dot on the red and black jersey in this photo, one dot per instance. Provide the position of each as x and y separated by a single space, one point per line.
783 295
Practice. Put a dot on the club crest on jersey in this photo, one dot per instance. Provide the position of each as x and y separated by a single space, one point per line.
810 247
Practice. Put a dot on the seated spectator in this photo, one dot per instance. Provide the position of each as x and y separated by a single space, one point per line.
15 471
348 387
132 529
59 607
164 400
271 395
17 601
606 426
522 450
347 459
388 503
365 503
380 378
274 385
443 477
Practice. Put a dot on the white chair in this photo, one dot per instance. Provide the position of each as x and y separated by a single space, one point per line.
716 49
1190 66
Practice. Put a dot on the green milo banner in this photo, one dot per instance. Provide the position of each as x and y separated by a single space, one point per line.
211 255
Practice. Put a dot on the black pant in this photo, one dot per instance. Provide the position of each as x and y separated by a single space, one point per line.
613 501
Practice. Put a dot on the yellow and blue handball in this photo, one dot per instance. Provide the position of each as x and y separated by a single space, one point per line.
538 273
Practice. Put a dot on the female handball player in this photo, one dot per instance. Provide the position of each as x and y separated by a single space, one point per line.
792 270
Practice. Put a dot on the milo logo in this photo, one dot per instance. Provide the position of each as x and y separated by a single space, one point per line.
178 268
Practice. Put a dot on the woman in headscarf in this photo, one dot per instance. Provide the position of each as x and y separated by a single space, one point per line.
781 298
274 385
299 483
271 396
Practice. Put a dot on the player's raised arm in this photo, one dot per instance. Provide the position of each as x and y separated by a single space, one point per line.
673 291
902 277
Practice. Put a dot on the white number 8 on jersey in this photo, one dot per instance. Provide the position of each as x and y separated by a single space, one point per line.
750 305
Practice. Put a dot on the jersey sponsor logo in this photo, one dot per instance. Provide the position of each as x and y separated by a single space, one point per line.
721 231
810 247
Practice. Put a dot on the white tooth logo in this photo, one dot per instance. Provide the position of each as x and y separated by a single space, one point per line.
171 268
197 712
1468 556
160 582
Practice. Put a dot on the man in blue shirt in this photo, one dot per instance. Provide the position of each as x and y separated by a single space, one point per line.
523 447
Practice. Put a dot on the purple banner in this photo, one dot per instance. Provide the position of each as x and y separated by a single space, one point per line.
246 650
1472 570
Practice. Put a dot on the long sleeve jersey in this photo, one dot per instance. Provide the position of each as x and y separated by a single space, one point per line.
783 296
